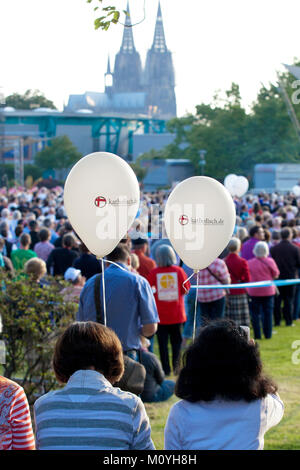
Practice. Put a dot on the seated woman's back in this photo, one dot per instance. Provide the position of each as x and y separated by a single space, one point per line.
222 425
227 401
89 413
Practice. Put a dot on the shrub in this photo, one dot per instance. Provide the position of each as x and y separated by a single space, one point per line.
32 317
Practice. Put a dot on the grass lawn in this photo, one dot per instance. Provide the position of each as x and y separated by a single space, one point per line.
277 358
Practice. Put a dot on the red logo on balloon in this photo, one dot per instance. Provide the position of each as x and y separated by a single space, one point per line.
183 219
100 201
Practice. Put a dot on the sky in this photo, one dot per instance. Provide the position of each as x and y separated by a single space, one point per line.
51 45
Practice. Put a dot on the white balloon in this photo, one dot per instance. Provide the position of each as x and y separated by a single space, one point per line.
296 190
240 186
229 179
101 198
229 183
199 220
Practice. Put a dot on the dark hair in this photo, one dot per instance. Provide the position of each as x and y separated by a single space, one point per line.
68 227
285 233
47 223
291 223
83 248
253 230
44 234
267 235
222 363
276 235
256 207
18 230
68 240
86 344
120 253
25 239
33 224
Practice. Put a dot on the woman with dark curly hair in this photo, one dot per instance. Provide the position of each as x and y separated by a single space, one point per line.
89 413
227 402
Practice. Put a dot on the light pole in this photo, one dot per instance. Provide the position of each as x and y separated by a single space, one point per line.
202 161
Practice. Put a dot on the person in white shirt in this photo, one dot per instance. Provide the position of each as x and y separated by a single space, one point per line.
227 402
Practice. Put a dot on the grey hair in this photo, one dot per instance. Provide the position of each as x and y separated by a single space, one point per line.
261 249
242 233
234 245
165 256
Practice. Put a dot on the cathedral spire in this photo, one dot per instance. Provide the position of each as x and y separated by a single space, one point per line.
159 41
127 41
108 77
108 71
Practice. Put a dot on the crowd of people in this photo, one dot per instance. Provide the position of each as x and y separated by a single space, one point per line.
147 292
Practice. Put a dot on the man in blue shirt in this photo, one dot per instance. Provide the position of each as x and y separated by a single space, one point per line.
130 304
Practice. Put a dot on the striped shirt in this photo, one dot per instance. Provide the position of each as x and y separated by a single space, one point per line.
15 421
90 414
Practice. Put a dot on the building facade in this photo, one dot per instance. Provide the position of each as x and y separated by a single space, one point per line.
130 89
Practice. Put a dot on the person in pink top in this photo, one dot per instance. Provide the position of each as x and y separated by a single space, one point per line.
262 268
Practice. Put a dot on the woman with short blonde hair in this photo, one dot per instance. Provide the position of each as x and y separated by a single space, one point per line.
35 268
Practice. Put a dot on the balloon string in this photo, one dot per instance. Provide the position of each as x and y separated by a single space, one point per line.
103 290
190 277
195 311
112 262
103 285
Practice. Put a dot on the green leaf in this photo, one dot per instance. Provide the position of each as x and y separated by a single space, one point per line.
116 16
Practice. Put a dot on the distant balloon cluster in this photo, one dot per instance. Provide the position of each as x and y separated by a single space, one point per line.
236 185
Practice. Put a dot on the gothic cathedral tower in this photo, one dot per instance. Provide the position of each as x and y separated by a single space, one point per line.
128 69
159 75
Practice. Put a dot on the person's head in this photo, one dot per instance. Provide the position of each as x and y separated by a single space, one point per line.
25 241
35 268
88 345
83 248
121 254
267 237
242 233
48 223
165 256
127 241
139 244
74 276
258 219
68 241
261 250
234 245
18 230
277 222
276 236
135 262
294 233
222 363
44 234
257 232
256 207
33 225
16 215
286 233
291 223
5 213
4 229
